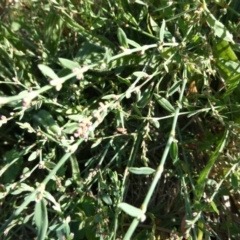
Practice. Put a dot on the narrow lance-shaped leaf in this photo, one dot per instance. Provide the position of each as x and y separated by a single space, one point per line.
140 74
33 156
218 28
133 43
214 207
162 31
146 97
122 38
68 63
152 25
174 151
106 198
202 179
41 219
130 210
47 71
141 170
174 88
155 123
164 103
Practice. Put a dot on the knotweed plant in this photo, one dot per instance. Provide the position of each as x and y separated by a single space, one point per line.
119 119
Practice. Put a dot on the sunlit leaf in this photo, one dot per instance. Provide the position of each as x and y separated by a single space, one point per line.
106 198
140 74
70 128
122 38
68 63
164 103
162 31
152 24
41 219
97 143
33 156
22 188
155 123
47 71
130 210
218 28
214 207
174 88
141 170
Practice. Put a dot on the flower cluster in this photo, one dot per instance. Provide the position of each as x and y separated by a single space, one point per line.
84 128
87 124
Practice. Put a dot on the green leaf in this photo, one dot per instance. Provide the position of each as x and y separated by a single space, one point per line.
164 103
110 96
155 123
162 31
128 93
136 109
214 207
222 49
152 24
122 38
218 28
53 26
70 128
26 126
106 198
33 156
22 188
128 17
174 151
228 65
41 219
146 97
140 74
141 170
56 206
140 2
76 117
46 120
47 71
68 63
97 143
130 210
75 170
203 177
123 80
174 88
15 26
229 68
49 165
133 43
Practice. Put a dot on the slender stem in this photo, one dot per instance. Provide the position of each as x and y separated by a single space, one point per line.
160 168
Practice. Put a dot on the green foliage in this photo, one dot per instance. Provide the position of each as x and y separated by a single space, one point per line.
119 119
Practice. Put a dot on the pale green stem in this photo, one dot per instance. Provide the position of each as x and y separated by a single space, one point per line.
160 168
